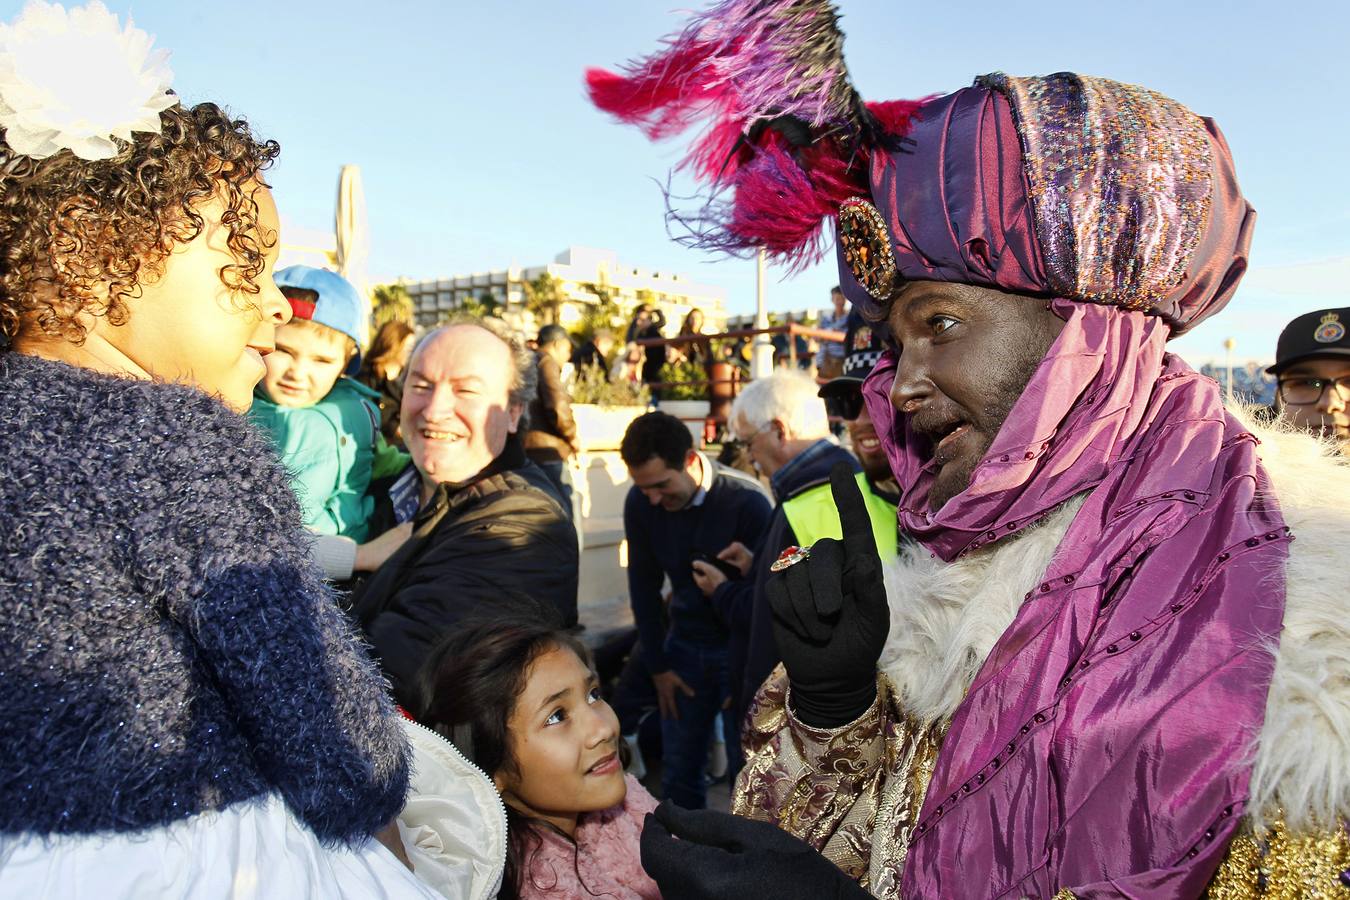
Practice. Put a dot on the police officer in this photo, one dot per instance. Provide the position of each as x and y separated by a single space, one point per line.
1312 365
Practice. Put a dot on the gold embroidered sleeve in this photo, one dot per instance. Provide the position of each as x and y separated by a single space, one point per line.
820 784
1284 865
853 793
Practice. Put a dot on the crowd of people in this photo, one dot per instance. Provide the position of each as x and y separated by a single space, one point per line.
1002 600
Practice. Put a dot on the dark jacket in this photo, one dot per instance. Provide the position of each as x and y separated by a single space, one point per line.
752 653
500 538
661 544
552 434
589 356
168 647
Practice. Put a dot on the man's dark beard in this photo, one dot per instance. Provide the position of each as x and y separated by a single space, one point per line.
955 476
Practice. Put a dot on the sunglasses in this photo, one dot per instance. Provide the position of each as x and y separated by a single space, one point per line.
847 405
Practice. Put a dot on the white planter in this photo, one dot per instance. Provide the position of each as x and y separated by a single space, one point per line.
693 413
603 427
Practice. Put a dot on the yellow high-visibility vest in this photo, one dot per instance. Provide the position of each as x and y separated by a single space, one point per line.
813 515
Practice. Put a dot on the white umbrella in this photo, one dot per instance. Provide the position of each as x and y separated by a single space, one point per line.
353 236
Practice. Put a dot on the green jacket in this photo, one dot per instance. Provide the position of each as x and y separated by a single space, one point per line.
813 515
332 449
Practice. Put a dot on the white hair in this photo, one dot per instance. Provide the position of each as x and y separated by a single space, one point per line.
787 396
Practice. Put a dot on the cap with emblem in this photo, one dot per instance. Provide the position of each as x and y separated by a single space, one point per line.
1314 335
862 349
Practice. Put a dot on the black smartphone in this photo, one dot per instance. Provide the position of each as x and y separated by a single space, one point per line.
727 568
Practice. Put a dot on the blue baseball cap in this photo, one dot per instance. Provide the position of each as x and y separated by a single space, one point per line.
339 306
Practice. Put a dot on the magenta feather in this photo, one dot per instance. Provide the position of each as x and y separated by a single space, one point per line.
785 137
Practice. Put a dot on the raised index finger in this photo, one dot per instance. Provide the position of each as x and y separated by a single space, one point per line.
859 542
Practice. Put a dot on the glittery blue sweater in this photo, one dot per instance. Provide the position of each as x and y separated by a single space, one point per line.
166 645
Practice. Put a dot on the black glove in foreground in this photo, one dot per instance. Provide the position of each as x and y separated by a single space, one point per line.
830 616
706 855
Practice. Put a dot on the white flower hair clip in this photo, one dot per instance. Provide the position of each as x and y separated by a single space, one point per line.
75 79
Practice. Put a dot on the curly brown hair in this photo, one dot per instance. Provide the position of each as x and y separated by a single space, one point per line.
77 236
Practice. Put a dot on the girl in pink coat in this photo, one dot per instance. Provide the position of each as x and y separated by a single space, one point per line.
521 701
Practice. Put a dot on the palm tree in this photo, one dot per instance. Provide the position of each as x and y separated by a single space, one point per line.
603 313
482 306
391 302
544 297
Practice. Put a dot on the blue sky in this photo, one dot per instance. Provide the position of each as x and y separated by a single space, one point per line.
479 149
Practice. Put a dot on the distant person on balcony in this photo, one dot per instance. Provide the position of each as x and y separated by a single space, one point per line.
552 436
492 531
1312 364
382 372
697 352
830 356
682 507
595 352
648 322
787 346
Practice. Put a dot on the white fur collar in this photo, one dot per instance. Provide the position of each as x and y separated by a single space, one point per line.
1303 759
954 613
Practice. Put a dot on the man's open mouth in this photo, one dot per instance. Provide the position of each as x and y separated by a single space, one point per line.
944 435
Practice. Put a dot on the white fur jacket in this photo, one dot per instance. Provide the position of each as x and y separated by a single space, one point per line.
1302 760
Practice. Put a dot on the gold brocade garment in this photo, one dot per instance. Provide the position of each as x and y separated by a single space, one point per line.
1284 866
855 792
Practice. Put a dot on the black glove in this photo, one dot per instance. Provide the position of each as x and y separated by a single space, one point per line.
723 857
830 616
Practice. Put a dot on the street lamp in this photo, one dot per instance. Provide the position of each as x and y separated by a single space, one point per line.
1228 345
761 359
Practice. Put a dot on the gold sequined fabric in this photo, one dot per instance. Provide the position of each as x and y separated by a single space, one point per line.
1283 865
854 793
1120 179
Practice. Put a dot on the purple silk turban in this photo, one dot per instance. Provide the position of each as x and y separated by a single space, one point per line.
1069 187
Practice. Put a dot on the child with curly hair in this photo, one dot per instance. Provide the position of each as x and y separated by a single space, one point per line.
521 700
187 712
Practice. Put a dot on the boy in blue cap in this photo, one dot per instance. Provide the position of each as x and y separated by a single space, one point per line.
325 424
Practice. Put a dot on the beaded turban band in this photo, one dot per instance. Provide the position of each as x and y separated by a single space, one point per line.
1057 186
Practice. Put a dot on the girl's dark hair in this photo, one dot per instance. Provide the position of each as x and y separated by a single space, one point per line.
468 689
388 341
77 236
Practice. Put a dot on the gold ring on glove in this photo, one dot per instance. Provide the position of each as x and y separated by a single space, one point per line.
790 557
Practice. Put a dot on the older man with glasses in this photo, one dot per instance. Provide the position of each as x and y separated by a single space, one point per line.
1312 363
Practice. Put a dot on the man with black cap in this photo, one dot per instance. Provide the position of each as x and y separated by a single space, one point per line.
1312 364
843 400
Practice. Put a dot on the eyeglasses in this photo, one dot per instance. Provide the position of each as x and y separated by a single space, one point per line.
746 442
847 405
1304 390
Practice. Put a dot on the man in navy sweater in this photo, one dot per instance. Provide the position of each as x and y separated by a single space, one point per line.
682 505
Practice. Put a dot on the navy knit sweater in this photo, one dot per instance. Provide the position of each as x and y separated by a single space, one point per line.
166 644
661 543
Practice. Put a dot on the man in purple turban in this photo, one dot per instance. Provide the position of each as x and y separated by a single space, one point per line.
1102 666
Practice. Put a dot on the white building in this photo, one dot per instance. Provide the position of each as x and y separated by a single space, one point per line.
581 271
